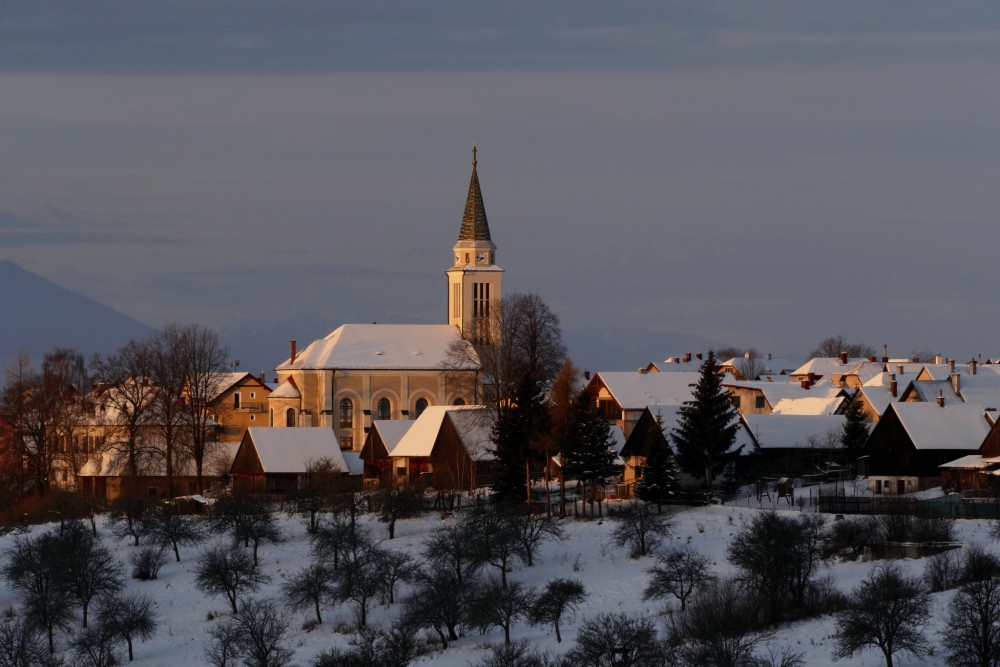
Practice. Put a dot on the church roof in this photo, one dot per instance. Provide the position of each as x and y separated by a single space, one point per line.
474 224
385 346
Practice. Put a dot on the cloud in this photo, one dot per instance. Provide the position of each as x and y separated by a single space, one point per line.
57 228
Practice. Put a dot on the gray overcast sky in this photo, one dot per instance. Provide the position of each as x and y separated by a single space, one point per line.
763 173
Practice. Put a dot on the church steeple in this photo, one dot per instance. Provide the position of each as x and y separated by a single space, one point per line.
474 224
474 279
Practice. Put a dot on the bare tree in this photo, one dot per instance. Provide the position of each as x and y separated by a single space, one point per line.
34 568
222 571
617 639
890 611
127 405
637 527
310 587
679 573
129 616
204 361
167 372
90 568
835 345
263 634
438 602
972 634
499 604
558 597
22 645
170 529
530 530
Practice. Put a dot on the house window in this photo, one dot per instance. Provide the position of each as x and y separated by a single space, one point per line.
384 410
251 417
735 400
290 417
459 401
346 442
758 402
420 406
346 413
236 401
253 395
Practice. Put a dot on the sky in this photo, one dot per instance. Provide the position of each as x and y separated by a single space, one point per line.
664 175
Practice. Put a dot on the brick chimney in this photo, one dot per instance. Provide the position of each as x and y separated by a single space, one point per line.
951 365
941 397
972 366
586 375
687 357
263 377
843 357
885 354
698 356
291 351
806 384
892 385
956 382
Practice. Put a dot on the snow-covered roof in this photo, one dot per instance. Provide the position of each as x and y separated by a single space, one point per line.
113 463
392 431
419 438
286 389
809 405
355 464
876 390
927 390
224 381
982 389
634 391
475 428
388 346
972 462
289 450
777 431
826 366
775 392
930 426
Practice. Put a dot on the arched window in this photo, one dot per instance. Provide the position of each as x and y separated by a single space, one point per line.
346 413
290 417
459 401
384 409
420 406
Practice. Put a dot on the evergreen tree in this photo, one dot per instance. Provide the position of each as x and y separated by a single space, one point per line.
589 454
659 471
855 432
707 427
518 426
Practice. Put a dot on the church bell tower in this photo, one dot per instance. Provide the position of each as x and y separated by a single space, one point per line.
474 278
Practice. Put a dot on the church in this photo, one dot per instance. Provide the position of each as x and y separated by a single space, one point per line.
363 372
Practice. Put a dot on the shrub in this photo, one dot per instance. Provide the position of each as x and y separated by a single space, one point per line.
638 528
942 571
978 565
146 563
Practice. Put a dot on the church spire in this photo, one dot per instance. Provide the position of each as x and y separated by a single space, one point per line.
474 224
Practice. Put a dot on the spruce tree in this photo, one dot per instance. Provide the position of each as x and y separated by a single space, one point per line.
707 426
518 426
855 432
659 471
589 455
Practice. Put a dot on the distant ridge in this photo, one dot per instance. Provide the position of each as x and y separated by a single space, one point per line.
37 315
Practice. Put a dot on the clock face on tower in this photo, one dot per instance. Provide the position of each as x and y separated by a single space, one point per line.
481 257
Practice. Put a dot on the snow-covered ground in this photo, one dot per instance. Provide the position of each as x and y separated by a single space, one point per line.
613 580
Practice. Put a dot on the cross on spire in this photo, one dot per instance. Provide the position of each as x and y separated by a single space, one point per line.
474 151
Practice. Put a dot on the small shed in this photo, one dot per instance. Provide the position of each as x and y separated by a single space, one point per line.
274 460
448 447
382 438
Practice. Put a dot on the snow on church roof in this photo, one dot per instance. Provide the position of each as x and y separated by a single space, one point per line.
286 389
388 346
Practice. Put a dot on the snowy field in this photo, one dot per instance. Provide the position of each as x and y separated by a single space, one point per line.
614 583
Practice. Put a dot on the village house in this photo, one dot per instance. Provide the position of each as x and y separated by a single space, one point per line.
911 440
622 396
278 461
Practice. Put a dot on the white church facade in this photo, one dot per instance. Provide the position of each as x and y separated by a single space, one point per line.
363 372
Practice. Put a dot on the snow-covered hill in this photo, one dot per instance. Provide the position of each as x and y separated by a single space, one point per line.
614 582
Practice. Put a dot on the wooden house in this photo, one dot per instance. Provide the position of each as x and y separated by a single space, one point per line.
276 460
447 447
975 472
648 432
789 445
383 437
622 396
912 440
